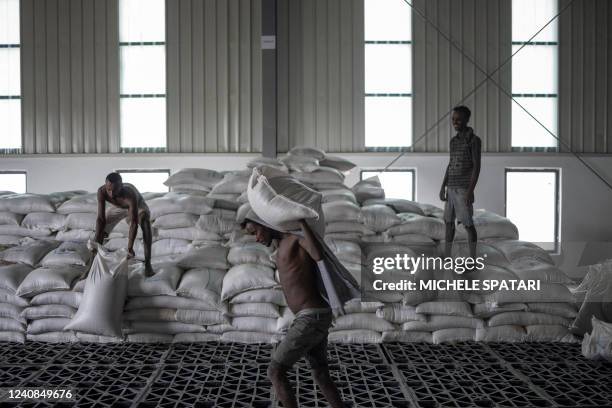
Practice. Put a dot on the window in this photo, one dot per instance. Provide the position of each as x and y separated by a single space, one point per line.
14 181
142 36
532 204
535 71
396 183
151 181
10 78
388 74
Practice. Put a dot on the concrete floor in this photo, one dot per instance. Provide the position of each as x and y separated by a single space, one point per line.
387 375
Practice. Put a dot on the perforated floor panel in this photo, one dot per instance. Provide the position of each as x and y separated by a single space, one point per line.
387 375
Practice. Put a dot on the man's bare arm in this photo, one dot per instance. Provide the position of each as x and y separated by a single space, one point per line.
101 219
475 170
444 183
133 214
310 243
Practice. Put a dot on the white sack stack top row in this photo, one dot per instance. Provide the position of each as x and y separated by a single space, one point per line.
214 283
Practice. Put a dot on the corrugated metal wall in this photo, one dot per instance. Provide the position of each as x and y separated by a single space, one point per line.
585 76
320 74
214 94
70 76
442 75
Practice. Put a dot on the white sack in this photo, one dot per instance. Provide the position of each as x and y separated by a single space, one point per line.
18 230
355 336
27 203
284 321
9 240
12 337
436 322
216 224
515 250
203 284
196 338
338 194
337 163
400 336
258 324
86 221
549 292
63 297
275 296
214 257
378 217
53 337
255 310
368 189
150 315
189 234
149 338
163 327
200 317
48 279
357 306
11 276
163 282
358 321
245 277
46 311
530 268
93 338
180 220
598 344
9 218
300 163
76 235
417 224
485 310
231 184
29 254
11 311
266 161
398 205
527 319
255 253
281 201
249 337
347 226
42 220
8 324
173 203
87 203
501 334
453 335
338 211
167 302
202 177
100 311
549 333
567 310
308 152
445 308
398 313
489 225
345 251
68 253
45 325
10 297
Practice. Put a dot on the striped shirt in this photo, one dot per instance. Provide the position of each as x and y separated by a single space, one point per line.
464 149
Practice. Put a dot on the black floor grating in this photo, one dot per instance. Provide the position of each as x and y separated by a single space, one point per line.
368 375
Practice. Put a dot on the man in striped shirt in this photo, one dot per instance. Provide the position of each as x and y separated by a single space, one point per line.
460 179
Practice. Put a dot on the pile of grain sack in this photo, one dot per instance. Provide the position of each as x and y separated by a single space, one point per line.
214 283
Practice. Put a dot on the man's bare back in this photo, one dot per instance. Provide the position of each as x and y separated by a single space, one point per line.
297 272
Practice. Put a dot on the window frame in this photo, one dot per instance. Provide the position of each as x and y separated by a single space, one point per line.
15 150
140 171
153 149
410 95
411 170
536 95
557 173
25 173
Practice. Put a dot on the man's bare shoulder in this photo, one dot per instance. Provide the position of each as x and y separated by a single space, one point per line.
101 193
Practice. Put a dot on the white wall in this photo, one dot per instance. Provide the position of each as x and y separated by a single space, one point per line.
585 200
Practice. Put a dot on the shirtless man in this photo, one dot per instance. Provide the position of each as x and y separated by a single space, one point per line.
307 336
127 203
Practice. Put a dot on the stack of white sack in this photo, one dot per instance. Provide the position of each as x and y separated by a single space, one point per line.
317 169
51 300
12 324
255 302
194 181
31 215
231 187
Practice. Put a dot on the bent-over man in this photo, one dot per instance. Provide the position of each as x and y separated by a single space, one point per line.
127 203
